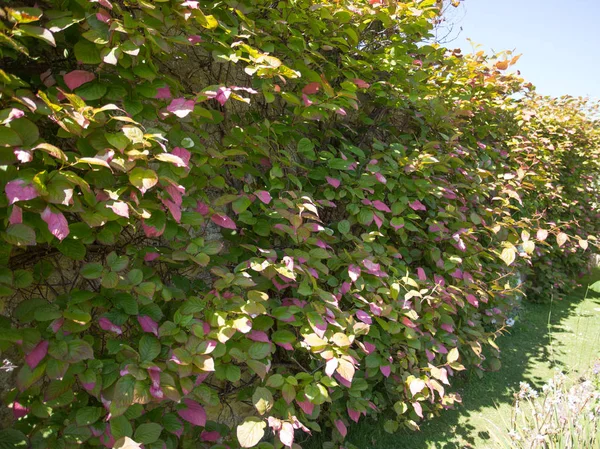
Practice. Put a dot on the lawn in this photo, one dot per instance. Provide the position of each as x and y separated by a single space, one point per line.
562 334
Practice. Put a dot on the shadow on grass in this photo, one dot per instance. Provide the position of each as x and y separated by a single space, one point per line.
562 334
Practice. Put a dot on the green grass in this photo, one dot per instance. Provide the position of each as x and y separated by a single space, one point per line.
562 334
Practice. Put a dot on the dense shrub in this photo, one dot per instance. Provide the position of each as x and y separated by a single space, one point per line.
232 223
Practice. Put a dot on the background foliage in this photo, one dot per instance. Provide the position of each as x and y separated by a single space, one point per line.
295 212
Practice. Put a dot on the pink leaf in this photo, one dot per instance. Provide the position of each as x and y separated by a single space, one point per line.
120 208
264 196
181 107
20 190
354 415
149 257
103 16
163 93
417 205
386 370
306 406
194 39
369 347
380 178
354 272
13 115
286 434
341 111
210 436
57 223
16 216
285 345
19 410
37 354
361 84
223 221
421 274
258 336
472 300
183 154
174 208
364 316
307 101
202 208
148 324
223 95
23 156
194 413
341 427
107 325
311 88
378 221
418 409
76 78
151 231
333 182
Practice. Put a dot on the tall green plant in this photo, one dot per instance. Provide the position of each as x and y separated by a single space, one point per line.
230 223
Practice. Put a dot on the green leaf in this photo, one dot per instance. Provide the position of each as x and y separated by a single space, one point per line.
92 270
233 373
110 280
20 235
13 439
344 226
142 178
262 400
88 415
79 350
87 52
135 276
26 129
123 395
9 137
91 91
117 263
73 249
120 427
39 33
307 149
147 433
149 348
251 431
22 278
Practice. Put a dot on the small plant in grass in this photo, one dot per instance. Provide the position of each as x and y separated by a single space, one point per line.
563 415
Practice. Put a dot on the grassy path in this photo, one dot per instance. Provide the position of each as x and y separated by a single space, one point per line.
564 334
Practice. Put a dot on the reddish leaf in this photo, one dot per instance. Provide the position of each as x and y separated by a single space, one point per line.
57 223
76 78
37 354
181 107
193 413
333 182
311 88
223 221
341 427
264 196
20 190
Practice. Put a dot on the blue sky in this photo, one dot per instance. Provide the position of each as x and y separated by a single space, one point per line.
559 39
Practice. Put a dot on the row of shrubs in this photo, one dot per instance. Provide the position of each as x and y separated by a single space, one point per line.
231 224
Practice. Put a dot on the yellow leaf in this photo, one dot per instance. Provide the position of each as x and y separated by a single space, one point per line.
508 255
341 339
561 238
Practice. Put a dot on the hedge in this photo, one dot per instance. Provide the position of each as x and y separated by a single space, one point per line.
236 223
